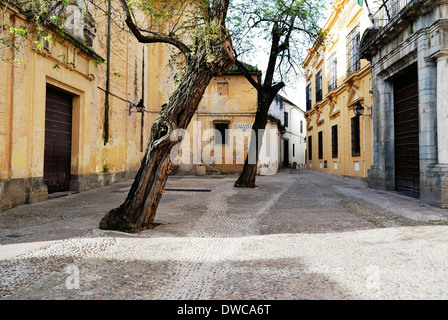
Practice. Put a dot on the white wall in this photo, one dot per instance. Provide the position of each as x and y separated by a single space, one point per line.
295 138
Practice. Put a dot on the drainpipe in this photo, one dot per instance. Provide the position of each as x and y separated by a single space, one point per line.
143 100
106 103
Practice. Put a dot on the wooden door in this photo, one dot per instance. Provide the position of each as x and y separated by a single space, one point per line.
58 140
407 166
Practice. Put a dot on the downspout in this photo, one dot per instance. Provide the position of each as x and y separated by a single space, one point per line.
143 100
106 103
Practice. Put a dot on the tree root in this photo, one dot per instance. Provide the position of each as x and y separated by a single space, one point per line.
242 184
117 220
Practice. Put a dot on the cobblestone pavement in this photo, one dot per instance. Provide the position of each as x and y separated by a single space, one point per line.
299 235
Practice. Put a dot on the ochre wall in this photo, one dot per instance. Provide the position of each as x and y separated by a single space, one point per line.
68 66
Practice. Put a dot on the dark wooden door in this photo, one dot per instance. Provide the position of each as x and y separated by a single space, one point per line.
58 140
407 166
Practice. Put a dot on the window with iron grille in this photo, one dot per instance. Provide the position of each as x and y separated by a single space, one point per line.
321 145
353 57
310 147
332 72
319 86
308 97
334 141
356 138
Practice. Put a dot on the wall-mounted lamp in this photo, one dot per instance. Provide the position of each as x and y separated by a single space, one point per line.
140 107
359 110
282 129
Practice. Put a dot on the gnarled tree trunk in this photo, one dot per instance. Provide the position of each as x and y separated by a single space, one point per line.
211 58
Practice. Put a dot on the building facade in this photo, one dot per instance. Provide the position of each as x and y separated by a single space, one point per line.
408 50
218 137
339 142
56 132
293 142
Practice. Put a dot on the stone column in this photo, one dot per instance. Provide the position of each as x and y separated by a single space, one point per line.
381 175
442 106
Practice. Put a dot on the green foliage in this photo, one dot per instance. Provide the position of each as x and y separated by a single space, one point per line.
283 29
41 15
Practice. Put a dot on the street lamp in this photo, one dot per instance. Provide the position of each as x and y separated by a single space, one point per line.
140 107
359 110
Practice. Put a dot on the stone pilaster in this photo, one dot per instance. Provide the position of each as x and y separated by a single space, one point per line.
442 106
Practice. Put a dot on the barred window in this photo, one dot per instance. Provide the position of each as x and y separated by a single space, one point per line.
356 137
353 57
310 148
334 141
332 72
308 97
321 145
319 86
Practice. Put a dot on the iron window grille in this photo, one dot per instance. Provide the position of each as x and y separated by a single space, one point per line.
321 145
310 148
353 56
319 86
308 97
332 72
334 141
356 137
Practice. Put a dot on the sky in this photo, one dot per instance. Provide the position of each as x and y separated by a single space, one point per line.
295 92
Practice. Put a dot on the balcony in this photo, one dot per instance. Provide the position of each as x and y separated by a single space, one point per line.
389 10
389 18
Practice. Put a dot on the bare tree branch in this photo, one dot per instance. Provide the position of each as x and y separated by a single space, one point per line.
155 37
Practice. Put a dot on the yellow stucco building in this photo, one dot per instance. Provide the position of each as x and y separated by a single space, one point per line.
52 109
339 142
219 135
58 134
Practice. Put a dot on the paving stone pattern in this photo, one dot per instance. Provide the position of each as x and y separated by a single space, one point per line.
299 235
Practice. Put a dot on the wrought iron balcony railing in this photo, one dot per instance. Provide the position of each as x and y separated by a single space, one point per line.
388 10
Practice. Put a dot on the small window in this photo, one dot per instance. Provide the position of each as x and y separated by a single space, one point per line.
285 114
356 139
222 128
321 145
334 141
223 89
301 126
